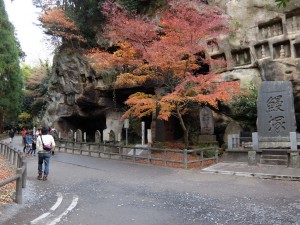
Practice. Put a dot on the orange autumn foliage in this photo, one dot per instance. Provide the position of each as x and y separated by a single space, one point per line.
59 25
166 51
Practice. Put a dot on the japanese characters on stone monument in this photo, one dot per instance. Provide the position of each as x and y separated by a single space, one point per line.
206 121
207 126
276 113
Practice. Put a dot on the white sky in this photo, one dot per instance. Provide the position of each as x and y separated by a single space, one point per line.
23 15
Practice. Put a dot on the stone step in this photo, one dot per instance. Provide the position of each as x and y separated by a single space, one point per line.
274 152
271 159
283 157
274 162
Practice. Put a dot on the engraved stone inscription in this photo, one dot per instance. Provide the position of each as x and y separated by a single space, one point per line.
206 121
276 114
277 124
275 103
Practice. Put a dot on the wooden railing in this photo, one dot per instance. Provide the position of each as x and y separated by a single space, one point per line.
184 158
18 161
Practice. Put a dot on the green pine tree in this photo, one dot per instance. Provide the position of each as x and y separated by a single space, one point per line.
11 78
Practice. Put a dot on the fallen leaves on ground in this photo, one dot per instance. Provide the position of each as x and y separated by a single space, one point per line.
7 191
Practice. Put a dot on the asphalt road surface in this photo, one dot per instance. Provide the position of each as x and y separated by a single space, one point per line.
83 190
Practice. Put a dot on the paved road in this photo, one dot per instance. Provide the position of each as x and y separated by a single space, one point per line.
82 190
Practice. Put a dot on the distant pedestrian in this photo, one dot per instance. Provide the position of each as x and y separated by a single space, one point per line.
38 132
33 147
11 135
23 133
28 143
45 144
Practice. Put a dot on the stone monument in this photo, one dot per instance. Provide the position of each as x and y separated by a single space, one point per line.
207 126
276 114
232 128
70 135
97 137
79 135
113 122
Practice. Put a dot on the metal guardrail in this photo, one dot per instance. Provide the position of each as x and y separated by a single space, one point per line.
138 154
17 160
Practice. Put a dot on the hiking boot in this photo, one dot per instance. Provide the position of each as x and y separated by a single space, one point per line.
45 177
40 176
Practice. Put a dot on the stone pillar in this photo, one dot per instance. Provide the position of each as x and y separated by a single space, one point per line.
149 138
252 158
294 159
126 126
293 140
84 136
230 147
236 140
143 133
255 141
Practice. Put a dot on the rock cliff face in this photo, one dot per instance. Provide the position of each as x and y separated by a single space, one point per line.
264 46
74 99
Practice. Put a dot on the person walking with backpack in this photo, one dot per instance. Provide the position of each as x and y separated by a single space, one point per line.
45 144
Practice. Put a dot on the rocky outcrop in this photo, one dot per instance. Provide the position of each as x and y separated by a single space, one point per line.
264 46
74 99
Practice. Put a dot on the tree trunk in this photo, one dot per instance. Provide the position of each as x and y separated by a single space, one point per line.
185 131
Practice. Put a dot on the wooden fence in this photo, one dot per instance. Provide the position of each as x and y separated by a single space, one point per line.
185 158
18 161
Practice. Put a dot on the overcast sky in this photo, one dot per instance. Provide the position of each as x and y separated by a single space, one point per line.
23 15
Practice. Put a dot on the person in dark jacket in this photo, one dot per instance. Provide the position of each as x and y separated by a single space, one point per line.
11 135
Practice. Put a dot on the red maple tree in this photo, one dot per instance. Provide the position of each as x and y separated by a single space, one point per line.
166 50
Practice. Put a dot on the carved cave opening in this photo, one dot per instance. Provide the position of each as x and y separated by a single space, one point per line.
85 124
297 50
270 29
262 50
218 62
293 21
282 50
241 57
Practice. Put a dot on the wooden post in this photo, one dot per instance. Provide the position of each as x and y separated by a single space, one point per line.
19 186
24 175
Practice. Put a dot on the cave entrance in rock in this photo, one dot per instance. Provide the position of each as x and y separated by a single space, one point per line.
85 124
